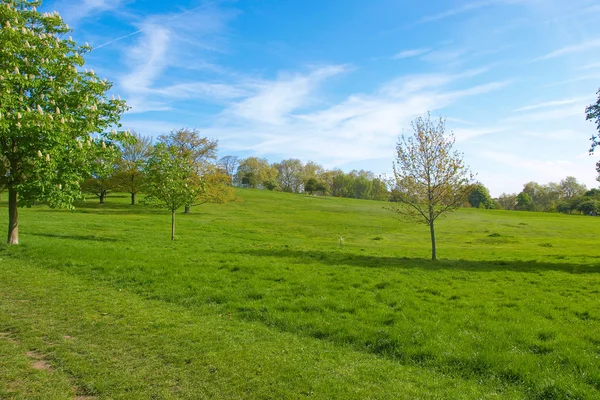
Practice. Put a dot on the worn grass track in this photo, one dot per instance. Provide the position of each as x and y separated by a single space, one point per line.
511 310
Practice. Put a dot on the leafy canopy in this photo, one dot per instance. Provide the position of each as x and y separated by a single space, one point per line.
430 177
53 115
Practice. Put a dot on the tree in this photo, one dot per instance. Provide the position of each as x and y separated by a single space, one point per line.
311 185
255 173
99 187
229 164
216 187
53 115
507 201
524 202
172 181
569 187
290 175
129 175
199 152
479 196
589 207
430 177
592 113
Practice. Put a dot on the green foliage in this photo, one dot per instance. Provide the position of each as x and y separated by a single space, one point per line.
589 207
431 178
129 176
290 175
593 114
255 172
524 202
507 201
53 116
311 185
479 197
172 181
99 187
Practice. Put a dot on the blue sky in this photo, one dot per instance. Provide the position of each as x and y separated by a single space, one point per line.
338 81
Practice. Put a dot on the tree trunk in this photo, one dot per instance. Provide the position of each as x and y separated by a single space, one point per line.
187 210
433 250
133 199
102 196
13 217
173 225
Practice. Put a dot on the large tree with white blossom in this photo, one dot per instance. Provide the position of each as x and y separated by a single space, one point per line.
57 127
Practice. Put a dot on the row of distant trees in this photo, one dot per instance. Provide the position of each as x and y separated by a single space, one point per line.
567 196
294 176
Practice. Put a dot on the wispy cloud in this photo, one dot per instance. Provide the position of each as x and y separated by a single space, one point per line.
275 100
75 11
591 66
171 42
553 103
544 116
462 9
576 48
410 53
284 118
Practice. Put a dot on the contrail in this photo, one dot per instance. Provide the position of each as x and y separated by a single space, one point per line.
117 39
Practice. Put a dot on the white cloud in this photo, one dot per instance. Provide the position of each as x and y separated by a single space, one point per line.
552 103
75 11
543 116
362 127
576 48
173 41
457 11
275 100
411 53
590 66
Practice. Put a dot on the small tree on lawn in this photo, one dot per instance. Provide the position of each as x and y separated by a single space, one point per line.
430 178
99 187
53 115
171 180
200 152
129 175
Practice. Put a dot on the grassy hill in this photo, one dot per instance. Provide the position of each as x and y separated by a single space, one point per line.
289 296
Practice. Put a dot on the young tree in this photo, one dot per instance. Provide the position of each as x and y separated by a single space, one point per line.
199 152
172 182
53 116
431 178
129 175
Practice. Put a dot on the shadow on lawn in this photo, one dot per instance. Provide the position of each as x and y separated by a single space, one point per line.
75 237
368 261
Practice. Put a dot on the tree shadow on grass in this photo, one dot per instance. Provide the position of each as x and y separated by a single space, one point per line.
75 237
334 258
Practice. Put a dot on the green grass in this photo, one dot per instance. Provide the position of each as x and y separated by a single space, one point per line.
259 298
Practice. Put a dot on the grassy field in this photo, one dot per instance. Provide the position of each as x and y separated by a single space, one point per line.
260 298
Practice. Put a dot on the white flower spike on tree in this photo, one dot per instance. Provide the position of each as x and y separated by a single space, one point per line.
38 77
